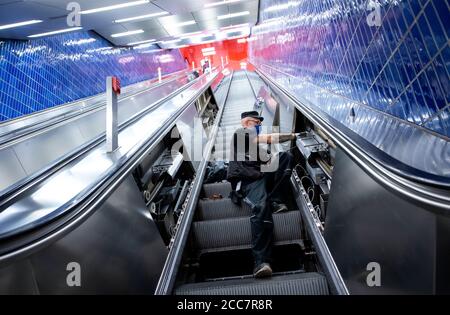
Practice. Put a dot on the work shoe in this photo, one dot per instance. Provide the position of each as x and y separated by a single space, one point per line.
262 271
279 207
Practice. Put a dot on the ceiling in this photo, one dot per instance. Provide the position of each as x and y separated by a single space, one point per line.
163 29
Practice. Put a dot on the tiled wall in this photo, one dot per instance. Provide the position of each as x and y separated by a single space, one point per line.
43 73
395 73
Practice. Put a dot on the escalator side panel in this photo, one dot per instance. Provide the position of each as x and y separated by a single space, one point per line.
118 248
368 223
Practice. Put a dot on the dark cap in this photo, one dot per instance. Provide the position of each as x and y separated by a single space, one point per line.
252 114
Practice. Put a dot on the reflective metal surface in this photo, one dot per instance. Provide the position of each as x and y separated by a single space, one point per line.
52 143
193 136
51 198
14 126
367 223
119 251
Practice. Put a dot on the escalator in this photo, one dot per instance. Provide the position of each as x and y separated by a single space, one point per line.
218 259
351 209
165 226
103 207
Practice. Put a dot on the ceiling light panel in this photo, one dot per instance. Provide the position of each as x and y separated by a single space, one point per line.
115 7
56 32
19 24
141 17
127 33
218 3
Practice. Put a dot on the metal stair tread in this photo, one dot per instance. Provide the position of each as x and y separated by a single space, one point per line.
226 232
308 283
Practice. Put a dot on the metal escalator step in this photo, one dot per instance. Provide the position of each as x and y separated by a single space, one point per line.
221 209
236 232
310 283
223 188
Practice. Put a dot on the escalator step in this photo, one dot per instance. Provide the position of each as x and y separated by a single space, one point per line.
223 188
221 209
236 232
310 283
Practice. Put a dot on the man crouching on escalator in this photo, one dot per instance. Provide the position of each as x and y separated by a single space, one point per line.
258 184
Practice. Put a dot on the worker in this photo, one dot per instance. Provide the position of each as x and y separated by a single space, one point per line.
257 184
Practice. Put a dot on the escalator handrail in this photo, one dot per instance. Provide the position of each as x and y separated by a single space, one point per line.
78 209
428 189
14 136
12 192
80 101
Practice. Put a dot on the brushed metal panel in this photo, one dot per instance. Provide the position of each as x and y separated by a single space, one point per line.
119 249
18 278
39 151
367 223
10 168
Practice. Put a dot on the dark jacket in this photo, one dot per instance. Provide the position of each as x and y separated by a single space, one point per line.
245 162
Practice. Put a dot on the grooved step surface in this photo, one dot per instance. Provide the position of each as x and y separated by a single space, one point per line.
221 209
223 188
234 232
310 283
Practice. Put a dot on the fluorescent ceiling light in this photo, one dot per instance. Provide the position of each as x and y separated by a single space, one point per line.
208 49
141 17
4 27
214 4
232 15
127 33
56 32
116 6
142 42
191 22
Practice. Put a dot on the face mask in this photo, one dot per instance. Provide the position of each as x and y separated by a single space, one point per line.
258 129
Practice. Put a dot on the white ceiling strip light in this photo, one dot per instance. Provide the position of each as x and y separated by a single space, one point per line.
127 33
141 17
214 4
56 32
115 7
13 25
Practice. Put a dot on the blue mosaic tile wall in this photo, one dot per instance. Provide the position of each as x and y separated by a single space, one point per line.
399 67
43 73
387 82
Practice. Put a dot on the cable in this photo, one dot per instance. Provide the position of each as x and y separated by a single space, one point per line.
298 165
309 178
312 190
